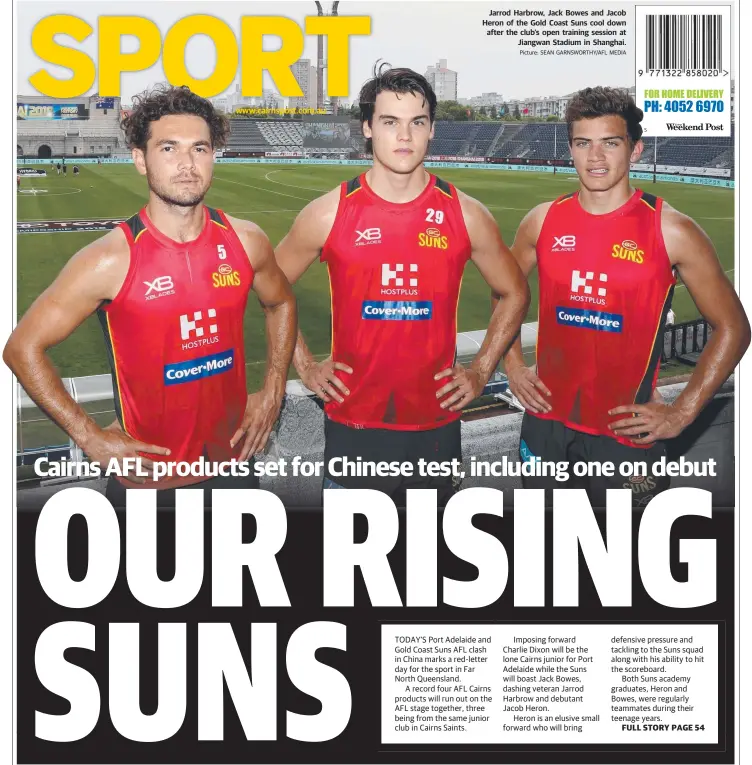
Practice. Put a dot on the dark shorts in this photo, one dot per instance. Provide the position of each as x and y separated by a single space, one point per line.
381 445
551 441
115 491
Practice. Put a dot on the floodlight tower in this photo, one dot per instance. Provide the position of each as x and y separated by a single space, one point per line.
321 62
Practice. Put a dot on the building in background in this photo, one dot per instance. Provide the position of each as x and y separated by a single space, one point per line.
306 76
443 81
485 99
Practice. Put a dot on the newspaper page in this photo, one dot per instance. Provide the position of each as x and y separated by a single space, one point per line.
374 373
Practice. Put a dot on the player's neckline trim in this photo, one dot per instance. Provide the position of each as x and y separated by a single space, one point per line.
174 244
399 206
628 205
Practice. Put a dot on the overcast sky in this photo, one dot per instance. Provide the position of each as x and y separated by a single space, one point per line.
412 34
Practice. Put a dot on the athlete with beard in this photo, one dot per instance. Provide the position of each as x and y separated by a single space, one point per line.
396 241
607 256
169 287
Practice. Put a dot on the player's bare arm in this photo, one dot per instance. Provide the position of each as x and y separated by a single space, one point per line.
278 302
502 274
300 248
523 380
93 275
691 252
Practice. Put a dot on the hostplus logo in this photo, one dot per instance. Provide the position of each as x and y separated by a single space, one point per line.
393 279
582 289
194 328
565 243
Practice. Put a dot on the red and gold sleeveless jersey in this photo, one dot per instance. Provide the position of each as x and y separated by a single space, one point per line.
174 336
395 272
606 285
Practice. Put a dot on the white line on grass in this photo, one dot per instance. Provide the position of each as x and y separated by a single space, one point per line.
261 188
291 185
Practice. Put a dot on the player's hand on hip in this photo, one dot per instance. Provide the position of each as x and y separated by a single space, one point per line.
464 385
649 422
261 412
110 443
320 378
529 388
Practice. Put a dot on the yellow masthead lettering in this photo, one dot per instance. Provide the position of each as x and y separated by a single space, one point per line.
278 62
112 62
44 45
338 30
173 57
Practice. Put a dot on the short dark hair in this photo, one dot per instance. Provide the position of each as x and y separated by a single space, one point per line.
163 100
393 80
602 102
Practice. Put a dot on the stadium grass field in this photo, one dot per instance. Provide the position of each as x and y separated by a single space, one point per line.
271 196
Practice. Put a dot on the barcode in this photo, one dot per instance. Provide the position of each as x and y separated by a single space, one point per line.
675 41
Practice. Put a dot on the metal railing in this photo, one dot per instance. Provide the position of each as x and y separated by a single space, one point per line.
684 342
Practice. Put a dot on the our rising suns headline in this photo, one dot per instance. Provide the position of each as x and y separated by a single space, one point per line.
219 659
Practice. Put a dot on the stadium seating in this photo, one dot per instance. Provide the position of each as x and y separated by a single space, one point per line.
529 141
245 135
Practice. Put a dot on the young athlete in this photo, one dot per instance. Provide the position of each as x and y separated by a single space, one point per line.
170 287
396 241
607 257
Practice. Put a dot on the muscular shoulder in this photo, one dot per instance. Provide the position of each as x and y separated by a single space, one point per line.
110 254
533 220
318 216
475 213
99 268
255 242
249 233
681 233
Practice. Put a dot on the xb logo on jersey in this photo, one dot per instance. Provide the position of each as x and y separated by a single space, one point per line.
582 290
369 236
162 286
565 243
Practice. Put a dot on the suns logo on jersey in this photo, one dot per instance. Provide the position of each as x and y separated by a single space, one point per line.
628 251
225 276
433 238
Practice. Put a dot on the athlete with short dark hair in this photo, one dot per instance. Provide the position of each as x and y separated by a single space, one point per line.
170 287
607 255
396 240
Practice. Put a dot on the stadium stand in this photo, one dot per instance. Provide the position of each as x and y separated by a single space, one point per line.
697 152
245 135
286 135
97 133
